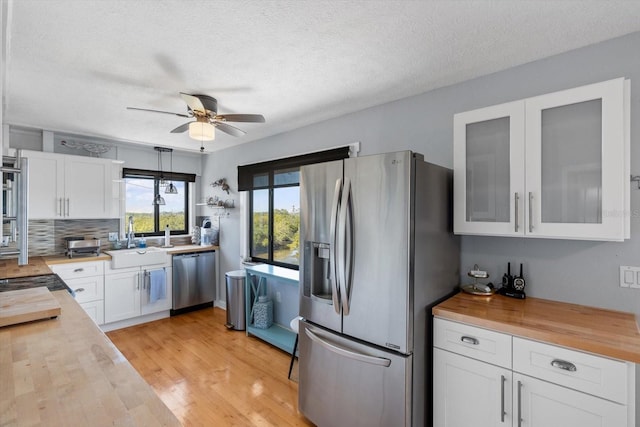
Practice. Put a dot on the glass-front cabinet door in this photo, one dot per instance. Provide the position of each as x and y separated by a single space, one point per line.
575 155
553 166
489 170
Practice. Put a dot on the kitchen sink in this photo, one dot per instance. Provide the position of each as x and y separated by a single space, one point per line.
136 257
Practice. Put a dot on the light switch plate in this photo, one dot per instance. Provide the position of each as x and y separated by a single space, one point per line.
629 276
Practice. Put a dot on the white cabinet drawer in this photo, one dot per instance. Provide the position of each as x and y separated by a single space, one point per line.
78 269
482 344
87 288
95 310
599 376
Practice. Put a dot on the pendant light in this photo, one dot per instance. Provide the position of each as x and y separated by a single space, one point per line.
157 198
171 189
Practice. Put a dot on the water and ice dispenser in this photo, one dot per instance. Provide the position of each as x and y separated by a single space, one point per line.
317 272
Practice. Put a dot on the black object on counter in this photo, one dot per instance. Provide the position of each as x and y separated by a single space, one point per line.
53 282
513 286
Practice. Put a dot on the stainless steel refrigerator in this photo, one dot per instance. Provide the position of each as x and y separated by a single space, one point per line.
378 252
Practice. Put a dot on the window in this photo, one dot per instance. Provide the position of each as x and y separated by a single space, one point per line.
150 219
275 219
274 206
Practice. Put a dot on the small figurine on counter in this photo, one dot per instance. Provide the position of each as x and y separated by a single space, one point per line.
477 288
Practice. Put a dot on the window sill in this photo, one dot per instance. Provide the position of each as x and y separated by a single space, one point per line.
275 272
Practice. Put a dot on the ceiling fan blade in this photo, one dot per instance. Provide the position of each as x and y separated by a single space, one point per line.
158 111
231 130
193 102
181 128
247 118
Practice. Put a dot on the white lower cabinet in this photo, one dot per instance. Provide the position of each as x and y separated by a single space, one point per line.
128 293
86 280
534 385
122 296
95 310
468 392
542 404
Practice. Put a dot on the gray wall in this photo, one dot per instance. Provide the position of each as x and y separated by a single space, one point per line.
572 271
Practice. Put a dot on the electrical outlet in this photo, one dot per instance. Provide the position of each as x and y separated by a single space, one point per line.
113 237
278 297
629 276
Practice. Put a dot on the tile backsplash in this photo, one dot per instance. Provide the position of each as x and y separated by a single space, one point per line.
46 237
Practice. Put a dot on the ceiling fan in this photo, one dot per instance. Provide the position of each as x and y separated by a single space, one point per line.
204 109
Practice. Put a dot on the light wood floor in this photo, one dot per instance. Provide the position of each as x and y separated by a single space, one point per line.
210 376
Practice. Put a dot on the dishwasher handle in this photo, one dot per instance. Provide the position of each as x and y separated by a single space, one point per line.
186 256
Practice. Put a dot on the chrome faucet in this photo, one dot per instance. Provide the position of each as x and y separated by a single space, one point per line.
130 241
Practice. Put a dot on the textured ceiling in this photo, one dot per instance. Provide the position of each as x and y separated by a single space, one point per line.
74 66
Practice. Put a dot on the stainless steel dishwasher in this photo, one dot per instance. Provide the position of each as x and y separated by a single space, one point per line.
194 281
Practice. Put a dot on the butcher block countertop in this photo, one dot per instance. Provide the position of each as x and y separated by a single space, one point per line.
176 250
25 305
39 265
9 268
61 259
65 371
605 332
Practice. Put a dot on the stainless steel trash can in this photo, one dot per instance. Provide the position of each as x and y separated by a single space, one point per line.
235 299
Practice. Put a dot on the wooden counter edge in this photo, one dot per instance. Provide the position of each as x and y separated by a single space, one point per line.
576 342
122 396
176 250
61 259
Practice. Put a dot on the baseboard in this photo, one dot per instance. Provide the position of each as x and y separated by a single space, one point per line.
134 321
220 304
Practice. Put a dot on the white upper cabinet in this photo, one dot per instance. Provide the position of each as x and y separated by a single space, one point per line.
552 166
70 187
488 170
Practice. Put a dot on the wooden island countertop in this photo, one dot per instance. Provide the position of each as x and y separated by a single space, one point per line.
10 269
66 371
605 332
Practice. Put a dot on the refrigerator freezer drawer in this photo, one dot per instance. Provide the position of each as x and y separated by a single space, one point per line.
346 383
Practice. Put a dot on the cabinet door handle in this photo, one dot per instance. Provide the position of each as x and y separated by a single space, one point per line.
516 198
563 364
67 214
519 404
78 270
469 340
79 290
60 213
530 212
502 413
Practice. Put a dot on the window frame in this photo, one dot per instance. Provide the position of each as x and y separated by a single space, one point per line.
157 176
246 174
271 215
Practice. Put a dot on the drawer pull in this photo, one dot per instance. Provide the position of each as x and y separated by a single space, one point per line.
79 290
563 364
469 340
78 270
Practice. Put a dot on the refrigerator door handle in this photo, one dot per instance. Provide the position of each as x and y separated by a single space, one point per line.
380 361
335 294
342 245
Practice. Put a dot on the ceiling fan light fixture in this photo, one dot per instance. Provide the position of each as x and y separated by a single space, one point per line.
202 131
